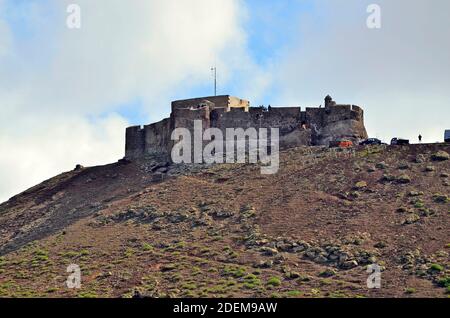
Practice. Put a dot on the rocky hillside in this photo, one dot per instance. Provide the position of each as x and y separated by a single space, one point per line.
150 229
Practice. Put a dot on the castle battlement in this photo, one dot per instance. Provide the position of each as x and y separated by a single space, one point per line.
312 126
213 102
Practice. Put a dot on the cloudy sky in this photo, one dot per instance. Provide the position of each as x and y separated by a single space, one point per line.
66 95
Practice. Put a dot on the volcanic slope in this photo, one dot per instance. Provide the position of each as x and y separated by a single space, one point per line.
311 230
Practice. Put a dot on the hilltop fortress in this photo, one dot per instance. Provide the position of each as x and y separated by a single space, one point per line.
310 127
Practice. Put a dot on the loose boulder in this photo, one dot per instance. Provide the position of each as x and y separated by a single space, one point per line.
440 156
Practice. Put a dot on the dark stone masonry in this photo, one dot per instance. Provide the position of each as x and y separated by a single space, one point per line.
311 127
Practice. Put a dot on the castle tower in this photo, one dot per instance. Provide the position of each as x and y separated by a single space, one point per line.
329 102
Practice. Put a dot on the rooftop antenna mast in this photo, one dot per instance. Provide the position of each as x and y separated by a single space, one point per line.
214 69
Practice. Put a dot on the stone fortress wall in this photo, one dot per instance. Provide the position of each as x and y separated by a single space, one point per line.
313 126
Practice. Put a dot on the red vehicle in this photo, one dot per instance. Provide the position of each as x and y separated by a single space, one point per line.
341 143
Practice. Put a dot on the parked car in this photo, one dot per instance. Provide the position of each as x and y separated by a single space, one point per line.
370 141
399 141
447 135
341 143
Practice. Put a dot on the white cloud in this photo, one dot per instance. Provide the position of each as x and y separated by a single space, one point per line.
133 49
54 145
400 73
57 83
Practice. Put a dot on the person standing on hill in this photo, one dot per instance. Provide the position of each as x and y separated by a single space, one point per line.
420 138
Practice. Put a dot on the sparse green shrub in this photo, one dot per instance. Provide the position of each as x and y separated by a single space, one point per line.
444 282
274 281
251 281
293 293
410 290
418 203
84 252
41 255
436 267
70 254
174 278
251 285
196 271
218 289
180 245
236 272
361 185
189 286
250 277
129 252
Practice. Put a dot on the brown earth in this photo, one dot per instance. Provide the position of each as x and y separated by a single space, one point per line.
310 230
